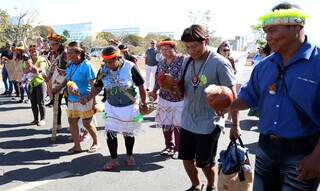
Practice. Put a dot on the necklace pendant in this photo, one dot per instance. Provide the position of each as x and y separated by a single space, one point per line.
273 89
195 81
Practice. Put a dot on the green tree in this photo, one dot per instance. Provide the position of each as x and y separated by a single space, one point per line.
258 32
105 36
43 30
4 22
133 40
21 29
66 33
215 41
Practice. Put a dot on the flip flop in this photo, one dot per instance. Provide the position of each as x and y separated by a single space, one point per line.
72 151
175 155
110 166
165 152
131 162
94 148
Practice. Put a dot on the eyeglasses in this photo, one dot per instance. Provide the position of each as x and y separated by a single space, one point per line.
226 50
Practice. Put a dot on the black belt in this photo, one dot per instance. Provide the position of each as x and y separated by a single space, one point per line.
276 138
295 145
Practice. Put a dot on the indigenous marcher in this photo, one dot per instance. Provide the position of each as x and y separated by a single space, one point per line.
37 86
114 42
57 75
151 65
80 77
169 108
125 52
119 77
200 125
27 76
17 72
263 51
224 50
6 55
285 87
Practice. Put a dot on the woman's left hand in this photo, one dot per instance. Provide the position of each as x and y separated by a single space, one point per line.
84 100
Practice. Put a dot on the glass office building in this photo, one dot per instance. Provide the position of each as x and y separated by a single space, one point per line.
77 31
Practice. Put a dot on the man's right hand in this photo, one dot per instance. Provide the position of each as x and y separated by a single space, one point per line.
235 132
153 95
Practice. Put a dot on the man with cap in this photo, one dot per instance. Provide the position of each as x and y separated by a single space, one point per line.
125 52
286 89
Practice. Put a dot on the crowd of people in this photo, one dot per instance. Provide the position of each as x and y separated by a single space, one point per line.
284 88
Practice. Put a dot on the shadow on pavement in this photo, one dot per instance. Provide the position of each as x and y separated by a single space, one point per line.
247 125
22 132
148 119
34 143
27 158
14 125
13 108
252 147
145 162
80 166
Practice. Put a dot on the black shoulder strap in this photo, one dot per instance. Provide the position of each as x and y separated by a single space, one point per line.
186 68
303 116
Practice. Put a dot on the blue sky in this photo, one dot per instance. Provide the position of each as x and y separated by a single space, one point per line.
229 17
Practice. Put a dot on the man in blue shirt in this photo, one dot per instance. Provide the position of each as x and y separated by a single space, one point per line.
286 89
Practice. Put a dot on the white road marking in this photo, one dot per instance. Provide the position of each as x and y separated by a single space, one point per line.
30 185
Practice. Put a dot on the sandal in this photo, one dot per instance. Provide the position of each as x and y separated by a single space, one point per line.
94 148
131 161
111 165
73 151
165 152
175 155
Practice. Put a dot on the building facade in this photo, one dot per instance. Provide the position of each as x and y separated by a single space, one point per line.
77 31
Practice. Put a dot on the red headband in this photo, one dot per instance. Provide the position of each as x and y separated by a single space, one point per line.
170 43
112 56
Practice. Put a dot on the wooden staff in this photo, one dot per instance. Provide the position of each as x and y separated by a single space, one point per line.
55 116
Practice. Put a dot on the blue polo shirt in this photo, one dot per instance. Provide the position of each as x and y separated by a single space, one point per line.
302 77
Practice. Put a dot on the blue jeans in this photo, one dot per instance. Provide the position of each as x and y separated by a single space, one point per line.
7 84
276 165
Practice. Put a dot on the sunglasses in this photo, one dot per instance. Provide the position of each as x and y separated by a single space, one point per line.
226 50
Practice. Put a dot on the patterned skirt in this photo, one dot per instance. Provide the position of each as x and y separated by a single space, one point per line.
77 110
125 120
169 113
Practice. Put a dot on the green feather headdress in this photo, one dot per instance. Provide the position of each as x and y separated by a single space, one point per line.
284 17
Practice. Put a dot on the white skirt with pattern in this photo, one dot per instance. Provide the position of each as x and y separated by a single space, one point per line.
169 113
121 119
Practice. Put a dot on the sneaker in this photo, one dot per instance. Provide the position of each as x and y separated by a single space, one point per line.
26 101
4 93
49 104
41 123
210 188
175 155
193 188
34 122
